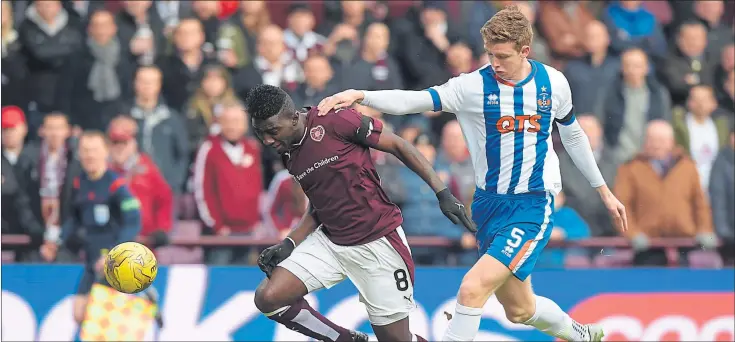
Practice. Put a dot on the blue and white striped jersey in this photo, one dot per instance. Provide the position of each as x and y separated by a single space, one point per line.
508 126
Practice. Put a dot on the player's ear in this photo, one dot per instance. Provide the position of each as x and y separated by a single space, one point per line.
525 51
295 118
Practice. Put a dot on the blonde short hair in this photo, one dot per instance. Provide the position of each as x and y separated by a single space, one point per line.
508 25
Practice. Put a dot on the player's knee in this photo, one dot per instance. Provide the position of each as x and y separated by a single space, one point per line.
518 314
472 291
267 299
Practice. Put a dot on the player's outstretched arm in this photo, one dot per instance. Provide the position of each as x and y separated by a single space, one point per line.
396 102
578 147
408 154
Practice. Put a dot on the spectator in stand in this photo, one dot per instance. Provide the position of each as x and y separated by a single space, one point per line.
539 47
700 131
662 189
17 214
422 219
563 25
722 197
224 163
285 204
724 86
182 71
374 69
479 13
349 13
80 11
48 39
15 129
238 34
631 99
273 64
580 196
689 64
631 25
95 80
48 170
425 56
143 178
719 33
300 38
140 32
171 12
163 133
455 157
319 82
206 12
459 59
14 67
568 226
206 105
589 75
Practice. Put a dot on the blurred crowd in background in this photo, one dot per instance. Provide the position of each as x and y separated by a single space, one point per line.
652 81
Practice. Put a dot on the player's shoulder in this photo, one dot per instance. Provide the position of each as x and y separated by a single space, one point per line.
555 75
335 118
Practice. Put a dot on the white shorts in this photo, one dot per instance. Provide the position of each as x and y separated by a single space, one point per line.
382 271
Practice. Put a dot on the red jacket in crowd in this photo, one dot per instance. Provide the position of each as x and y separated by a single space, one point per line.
148 185
227 183
286 203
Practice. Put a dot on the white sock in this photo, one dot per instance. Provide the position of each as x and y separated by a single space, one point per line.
552 320
464 324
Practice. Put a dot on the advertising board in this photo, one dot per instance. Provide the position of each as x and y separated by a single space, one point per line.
216 304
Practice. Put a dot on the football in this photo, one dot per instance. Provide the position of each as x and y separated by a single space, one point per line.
130 267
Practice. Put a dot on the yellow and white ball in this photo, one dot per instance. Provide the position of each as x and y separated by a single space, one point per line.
130 267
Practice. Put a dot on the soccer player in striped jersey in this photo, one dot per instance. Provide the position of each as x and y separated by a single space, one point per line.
506 110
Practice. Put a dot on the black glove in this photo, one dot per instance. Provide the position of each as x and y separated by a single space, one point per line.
273 255
454 210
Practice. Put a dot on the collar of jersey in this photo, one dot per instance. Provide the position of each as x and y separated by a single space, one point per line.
306 131
521 83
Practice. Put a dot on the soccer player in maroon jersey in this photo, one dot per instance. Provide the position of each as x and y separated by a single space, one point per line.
352 230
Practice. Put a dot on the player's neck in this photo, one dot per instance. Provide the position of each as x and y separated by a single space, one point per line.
300 128
526 69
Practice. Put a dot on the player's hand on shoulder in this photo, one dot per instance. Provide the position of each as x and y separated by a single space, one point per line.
340 100
455 210
273 255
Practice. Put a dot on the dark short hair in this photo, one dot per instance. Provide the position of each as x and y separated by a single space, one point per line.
265 101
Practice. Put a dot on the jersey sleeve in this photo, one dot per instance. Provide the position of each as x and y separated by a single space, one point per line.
449 96
130 219
565 111
352 126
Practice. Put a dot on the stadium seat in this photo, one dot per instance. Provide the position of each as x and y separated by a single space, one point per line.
8 257
614 258
182 255
186 207
577 261
704 259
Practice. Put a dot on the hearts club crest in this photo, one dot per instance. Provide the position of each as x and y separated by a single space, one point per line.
317 133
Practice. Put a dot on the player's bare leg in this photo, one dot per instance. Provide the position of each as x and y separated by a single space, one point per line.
522 306
281 298
477 286
396 331
79 308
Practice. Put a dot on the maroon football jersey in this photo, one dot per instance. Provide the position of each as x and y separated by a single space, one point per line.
333 165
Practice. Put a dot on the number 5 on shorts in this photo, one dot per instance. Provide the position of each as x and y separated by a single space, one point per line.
517 235
401 279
